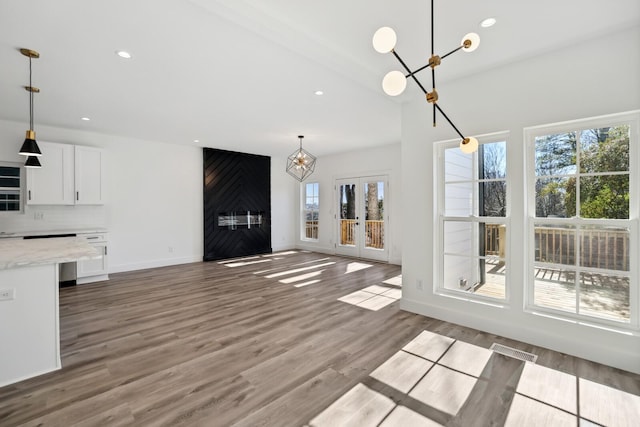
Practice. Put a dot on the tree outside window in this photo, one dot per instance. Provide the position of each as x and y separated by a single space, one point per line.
581 226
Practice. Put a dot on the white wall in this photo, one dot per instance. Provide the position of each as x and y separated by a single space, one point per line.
154 202
383 160
283 206
562 85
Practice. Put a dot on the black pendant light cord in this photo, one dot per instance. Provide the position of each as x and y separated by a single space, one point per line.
30 97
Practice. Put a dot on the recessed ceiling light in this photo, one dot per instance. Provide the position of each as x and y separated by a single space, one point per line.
123 54
319 92
86 119
196 140
489 22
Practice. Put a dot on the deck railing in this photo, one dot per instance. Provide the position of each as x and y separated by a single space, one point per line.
494 239
374 233
607 249
311 229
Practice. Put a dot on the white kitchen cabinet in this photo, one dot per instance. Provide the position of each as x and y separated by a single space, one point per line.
53 183
94 270
70 174
89 175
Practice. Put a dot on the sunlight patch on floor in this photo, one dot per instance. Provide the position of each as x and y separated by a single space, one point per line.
311 262
310 282
244 263
373 297
280 254
226 261
441 374
359 406
300 277
394 281
352 267
298 270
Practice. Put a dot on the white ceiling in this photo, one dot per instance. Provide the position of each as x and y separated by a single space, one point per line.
241 74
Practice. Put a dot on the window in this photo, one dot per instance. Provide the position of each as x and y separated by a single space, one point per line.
472 204
310 211
582 231
11 179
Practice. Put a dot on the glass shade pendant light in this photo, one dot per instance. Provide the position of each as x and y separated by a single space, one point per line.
469 145
30 146
395 82
301 163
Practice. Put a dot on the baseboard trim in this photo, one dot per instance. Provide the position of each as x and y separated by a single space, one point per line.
121 268
602 346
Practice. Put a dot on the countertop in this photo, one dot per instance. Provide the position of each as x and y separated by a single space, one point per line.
18 252
9 234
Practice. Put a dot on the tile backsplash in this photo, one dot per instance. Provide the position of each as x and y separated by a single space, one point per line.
43 218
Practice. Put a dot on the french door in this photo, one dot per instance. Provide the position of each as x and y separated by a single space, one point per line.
361 218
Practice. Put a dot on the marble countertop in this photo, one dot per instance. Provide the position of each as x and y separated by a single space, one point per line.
10 234
17 252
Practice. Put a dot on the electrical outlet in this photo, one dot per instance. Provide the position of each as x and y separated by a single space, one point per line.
38 216
7 294
419 284
170 249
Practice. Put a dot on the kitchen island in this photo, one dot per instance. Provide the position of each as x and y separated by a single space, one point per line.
29 312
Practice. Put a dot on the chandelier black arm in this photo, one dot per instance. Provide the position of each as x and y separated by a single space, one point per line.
434 114
429 64
450 122
408 71
418 70
433 85
453 51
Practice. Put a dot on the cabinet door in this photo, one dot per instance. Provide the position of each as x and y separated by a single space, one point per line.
53 183
93 267
89 174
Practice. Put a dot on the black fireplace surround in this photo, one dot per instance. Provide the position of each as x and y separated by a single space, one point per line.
237 204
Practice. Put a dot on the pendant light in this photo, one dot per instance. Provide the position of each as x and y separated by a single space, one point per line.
30 146
395 82
301 163
32 162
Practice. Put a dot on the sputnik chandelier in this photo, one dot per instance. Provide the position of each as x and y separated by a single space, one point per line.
394 83
301 163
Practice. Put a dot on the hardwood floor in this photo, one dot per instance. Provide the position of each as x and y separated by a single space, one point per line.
237 343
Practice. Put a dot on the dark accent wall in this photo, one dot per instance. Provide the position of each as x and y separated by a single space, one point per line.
237 204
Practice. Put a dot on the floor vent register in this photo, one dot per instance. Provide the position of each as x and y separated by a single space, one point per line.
512 352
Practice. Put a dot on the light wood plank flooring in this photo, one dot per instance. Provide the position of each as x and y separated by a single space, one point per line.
237 343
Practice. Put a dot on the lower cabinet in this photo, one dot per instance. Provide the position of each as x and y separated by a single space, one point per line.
94 270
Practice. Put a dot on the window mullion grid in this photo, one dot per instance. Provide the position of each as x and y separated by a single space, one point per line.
578 175
581 226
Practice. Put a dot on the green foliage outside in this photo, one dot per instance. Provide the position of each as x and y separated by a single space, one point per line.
603 193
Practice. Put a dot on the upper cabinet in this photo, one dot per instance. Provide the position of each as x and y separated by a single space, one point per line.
70 174
53 183
89 175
